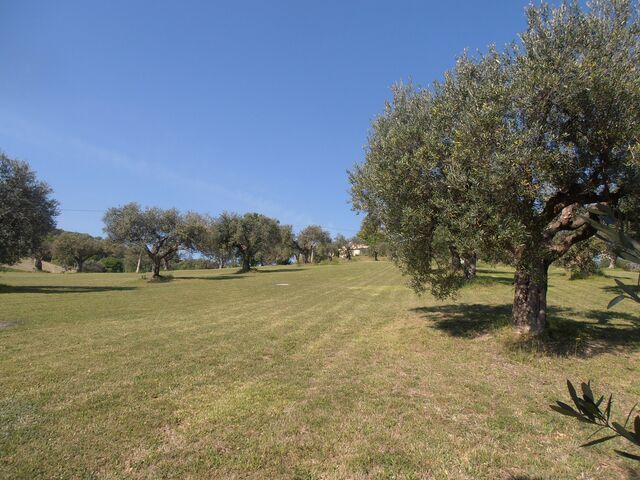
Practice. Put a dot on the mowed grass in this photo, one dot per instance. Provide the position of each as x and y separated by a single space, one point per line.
341 373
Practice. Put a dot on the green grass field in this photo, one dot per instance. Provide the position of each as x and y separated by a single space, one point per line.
341 373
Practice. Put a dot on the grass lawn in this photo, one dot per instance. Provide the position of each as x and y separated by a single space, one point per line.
334 371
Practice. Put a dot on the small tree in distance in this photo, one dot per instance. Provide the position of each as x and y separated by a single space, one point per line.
250 236
72 249
373 235
311 240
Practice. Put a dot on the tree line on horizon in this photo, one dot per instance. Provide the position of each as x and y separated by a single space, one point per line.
149 239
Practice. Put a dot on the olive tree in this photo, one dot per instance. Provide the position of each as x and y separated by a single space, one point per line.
160 233
312 240
27 211
373 234
249 236
507 152
73 249
208 240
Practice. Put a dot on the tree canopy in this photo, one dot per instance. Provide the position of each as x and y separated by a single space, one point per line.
251 236
504 154
312 240
27 211
160 233
72 249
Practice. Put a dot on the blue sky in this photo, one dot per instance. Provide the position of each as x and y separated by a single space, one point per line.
211 106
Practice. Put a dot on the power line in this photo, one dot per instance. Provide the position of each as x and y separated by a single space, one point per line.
80 210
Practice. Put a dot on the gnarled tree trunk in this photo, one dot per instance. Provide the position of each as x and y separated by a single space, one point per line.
470 265
530 298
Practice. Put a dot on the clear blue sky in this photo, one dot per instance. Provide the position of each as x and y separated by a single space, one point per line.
211 106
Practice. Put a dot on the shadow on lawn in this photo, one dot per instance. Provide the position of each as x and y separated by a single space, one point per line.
281 270
60 289
212 277
570 333
484 279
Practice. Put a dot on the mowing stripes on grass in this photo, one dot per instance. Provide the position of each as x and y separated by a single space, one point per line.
334 371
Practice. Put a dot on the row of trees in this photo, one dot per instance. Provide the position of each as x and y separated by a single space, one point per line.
152 238
249 240
504 157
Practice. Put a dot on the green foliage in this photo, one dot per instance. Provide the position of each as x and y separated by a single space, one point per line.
598 412
27 211
251 237
504 153
373 235
581 259
160 233
623 245
208 240
93 266
284 250
73 249
112 264
314 243
194 264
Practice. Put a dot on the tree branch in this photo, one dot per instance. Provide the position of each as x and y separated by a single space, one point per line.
583 233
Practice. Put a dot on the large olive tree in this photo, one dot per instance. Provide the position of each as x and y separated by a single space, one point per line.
250 236
504 155
27 211
160 233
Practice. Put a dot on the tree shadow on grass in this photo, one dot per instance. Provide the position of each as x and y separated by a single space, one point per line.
212 277
49 289
281 270
467 320
484 279
570 332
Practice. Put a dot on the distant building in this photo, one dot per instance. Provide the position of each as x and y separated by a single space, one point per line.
359 249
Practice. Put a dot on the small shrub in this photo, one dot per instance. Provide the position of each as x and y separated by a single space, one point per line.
113 264
91 266
326 261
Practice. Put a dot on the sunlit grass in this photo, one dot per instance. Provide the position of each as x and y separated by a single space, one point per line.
334 371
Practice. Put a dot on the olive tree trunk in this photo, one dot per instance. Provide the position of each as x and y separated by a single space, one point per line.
156 267
246 263
530 298
470 265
